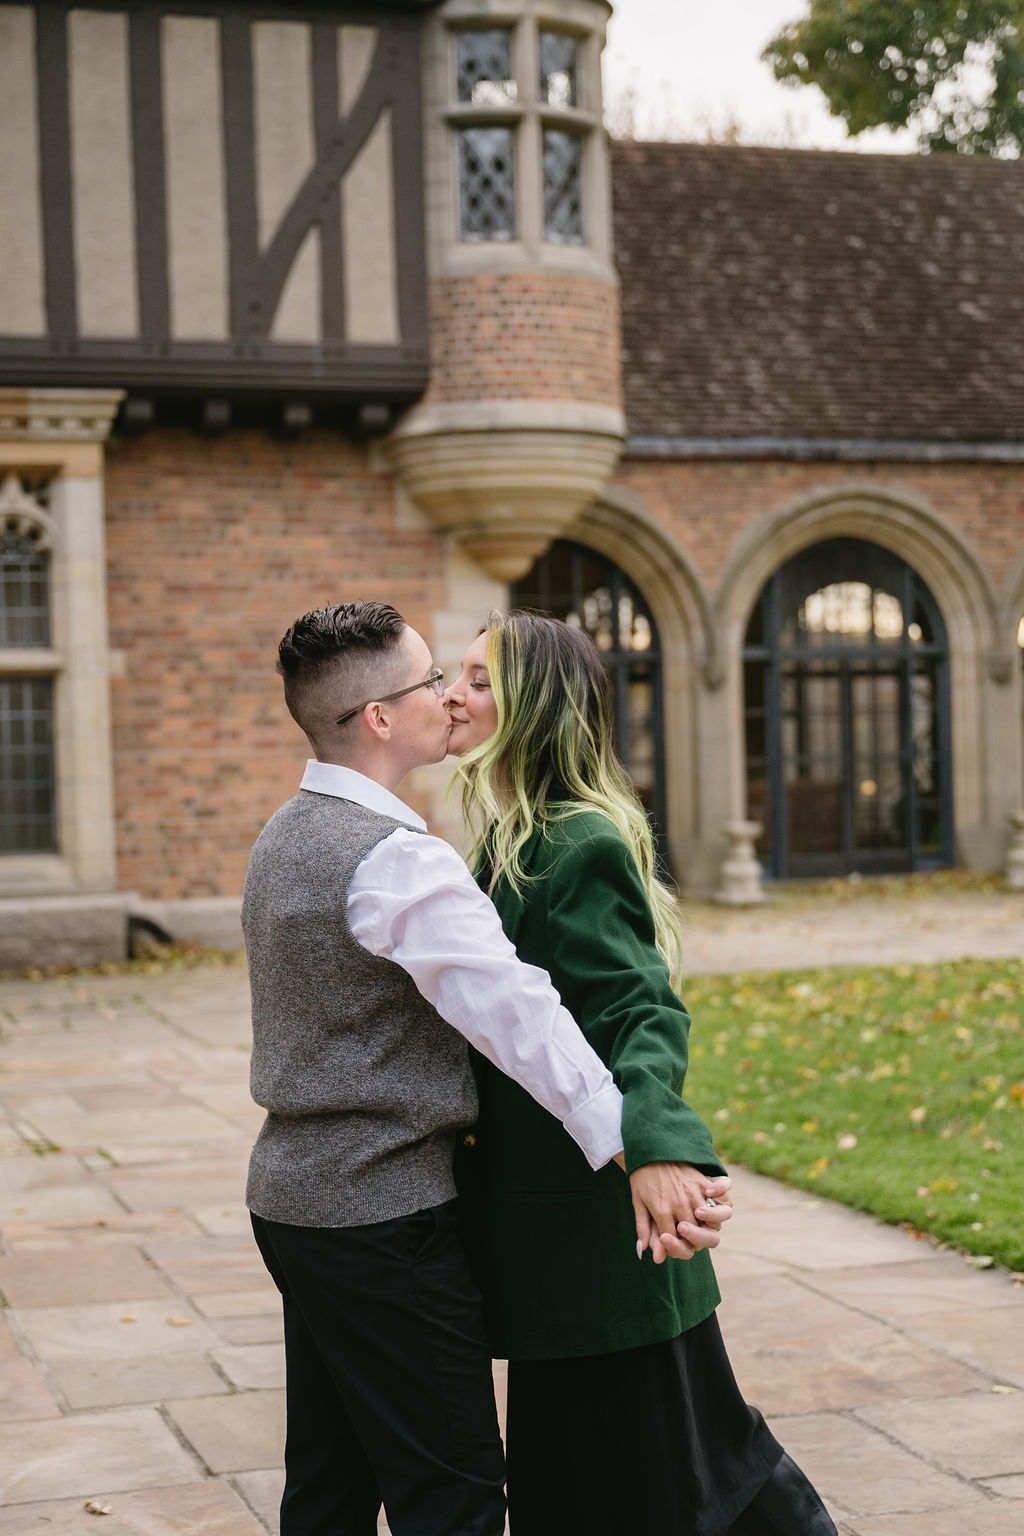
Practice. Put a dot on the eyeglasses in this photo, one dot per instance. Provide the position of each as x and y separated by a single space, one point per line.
435 682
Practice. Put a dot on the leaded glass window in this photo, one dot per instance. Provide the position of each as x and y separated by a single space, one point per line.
486 184
563 187
847 715
558 70
589 592
24 591
484 67
27 823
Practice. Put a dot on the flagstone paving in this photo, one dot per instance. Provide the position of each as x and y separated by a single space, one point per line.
141 1362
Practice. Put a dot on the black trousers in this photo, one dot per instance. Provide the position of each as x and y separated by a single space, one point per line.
389 1388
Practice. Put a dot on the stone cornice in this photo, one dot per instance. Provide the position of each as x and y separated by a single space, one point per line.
512 416
58 415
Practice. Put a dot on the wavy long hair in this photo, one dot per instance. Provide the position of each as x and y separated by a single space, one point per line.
551 757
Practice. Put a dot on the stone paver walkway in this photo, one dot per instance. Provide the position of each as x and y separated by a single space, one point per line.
811 930
140 1344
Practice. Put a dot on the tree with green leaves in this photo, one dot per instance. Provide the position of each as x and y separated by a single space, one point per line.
950 70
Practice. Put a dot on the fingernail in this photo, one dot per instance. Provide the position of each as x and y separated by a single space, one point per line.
639 1249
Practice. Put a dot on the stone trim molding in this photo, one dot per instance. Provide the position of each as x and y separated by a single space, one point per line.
63 930
999 666
75 415
986 743
826 449
902 521
511 416
1012 607
214 922
616 524
21 511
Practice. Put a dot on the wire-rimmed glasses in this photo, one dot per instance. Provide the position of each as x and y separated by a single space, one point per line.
434 680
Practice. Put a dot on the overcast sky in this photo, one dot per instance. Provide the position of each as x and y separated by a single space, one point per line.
692 64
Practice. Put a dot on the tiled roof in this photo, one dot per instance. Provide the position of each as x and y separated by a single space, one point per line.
800 294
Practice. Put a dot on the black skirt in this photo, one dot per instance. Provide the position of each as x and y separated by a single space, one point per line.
658 1437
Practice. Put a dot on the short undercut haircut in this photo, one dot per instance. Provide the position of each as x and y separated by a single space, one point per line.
334 657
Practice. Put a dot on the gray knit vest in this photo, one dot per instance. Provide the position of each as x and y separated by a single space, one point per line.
364 1084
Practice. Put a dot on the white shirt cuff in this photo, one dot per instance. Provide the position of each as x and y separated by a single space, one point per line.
596 1126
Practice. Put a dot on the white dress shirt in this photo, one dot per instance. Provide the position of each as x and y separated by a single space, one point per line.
412 900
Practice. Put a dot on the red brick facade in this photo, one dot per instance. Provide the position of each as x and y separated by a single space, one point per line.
525 336
214 546
705 505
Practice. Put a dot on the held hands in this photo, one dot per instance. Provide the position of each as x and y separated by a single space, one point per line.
672 1218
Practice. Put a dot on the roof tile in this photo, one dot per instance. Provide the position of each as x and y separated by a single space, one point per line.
796 293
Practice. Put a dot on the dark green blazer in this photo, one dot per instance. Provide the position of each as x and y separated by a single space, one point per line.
554 1242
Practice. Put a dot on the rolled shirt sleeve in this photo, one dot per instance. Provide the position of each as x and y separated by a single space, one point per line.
412 900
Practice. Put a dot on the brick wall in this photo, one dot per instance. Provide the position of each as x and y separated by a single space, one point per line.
214 546
524 335
707 505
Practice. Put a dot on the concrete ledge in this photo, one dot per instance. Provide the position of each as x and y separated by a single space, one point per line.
212 921
63 930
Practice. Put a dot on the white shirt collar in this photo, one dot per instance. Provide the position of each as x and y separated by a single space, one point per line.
347 784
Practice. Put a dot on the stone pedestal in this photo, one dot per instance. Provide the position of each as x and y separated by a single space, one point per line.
1015 852
740 876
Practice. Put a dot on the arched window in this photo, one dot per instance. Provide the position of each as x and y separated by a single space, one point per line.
847 715
587 590
27 810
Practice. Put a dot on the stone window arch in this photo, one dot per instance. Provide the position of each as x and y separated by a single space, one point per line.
1012 628
903 521
586 589
847 717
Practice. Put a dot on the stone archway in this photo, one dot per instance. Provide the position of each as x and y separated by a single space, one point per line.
1012 633
618 527
846 710
908 526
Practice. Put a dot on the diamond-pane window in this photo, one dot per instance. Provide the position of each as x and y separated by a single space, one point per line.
24 591
486 184
27 821
563 187
557 70
484 67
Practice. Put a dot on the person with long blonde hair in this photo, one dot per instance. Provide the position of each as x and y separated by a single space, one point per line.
623 1411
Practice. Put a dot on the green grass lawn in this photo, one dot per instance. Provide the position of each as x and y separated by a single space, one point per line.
899 1091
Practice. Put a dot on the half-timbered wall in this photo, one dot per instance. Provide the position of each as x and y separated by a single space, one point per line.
212 197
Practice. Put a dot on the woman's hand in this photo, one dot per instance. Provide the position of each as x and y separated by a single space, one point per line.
673 1218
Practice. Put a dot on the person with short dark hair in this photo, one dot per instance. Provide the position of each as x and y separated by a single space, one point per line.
374 958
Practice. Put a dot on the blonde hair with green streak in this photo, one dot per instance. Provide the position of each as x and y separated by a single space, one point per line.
551 757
